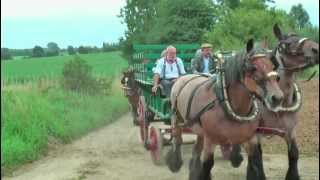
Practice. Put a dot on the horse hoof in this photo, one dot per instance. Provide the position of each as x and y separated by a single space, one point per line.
292 177
174 160
236 160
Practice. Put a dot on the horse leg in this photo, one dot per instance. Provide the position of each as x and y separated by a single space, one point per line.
195 162
174 158
255 162
134 114
293 156
236 157
201 169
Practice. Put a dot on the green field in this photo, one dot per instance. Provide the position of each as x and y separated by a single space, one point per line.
102 63
33 114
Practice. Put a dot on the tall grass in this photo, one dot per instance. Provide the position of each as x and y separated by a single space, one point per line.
30 116
33 111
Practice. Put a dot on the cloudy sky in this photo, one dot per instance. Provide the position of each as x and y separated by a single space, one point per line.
25 24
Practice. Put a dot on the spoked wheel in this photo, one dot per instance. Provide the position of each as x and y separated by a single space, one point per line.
143 124
156 146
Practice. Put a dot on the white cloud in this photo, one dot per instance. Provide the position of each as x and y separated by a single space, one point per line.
59 8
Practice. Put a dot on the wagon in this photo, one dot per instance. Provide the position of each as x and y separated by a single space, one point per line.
154 110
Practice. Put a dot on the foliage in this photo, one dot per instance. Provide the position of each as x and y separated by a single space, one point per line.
33 118
138 16
252 19
185 21
83 50
53 49
38 51
107 47
300 15
77 76
21 52
5 54
71 50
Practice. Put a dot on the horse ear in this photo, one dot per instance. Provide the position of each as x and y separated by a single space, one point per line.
277 31
264 43
250 45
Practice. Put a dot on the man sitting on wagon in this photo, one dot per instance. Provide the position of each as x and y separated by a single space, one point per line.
167 70
203 62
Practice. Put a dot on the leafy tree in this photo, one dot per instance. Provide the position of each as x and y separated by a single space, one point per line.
5 54
181 21
229 3
245 22
107 47
83 50
53 49
138 15
38 51
300 15
71 50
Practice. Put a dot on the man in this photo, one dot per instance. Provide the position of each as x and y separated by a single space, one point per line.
168 69
203 61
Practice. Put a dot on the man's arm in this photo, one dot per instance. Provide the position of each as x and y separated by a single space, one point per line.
194 66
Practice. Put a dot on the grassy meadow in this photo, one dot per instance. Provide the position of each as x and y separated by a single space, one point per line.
51 67
35 113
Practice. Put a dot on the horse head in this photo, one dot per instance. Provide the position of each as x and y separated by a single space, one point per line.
128 82
295 53
260 77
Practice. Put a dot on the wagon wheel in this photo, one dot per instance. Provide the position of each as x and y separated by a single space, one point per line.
143 124
156 145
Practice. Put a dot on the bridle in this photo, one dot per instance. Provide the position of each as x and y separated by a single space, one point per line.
283 48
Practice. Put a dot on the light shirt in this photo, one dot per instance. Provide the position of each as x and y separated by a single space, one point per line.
171 70
206 65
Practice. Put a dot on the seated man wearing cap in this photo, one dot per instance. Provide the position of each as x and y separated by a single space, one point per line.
167 70
203 61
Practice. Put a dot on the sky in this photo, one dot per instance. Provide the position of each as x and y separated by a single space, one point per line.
25 24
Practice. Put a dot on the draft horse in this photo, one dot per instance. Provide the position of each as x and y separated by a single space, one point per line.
221 110
132 92
292 54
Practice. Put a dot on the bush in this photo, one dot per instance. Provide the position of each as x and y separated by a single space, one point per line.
77 76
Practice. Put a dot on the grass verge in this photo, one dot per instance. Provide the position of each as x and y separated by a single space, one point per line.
30 116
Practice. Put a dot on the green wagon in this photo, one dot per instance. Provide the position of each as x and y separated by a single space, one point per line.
155 109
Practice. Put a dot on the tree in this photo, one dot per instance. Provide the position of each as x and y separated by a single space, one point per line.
300 15
245 22
83 50
53 49
38 51
71 50
5 54
138 15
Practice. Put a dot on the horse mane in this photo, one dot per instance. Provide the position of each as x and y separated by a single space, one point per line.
234 67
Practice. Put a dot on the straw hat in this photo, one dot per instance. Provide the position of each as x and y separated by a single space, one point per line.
206 45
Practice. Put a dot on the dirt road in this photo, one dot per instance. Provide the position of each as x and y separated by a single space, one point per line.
115 153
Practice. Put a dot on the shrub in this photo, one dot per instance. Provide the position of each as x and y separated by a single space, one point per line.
77 76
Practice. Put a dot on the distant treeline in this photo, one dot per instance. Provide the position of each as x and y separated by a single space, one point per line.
53 49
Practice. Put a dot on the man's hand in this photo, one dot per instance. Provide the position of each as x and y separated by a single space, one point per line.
154 89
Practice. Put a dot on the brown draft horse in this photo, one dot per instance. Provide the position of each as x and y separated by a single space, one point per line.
131 91
196 103
293 54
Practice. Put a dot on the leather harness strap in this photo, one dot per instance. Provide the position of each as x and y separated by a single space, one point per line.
191 98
